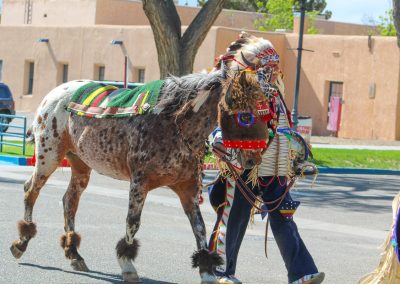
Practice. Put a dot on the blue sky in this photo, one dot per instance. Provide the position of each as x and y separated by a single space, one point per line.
350 11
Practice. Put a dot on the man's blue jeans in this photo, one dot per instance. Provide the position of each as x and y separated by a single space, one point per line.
297 259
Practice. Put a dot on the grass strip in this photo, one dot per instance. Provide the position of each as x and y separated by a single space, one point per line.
350 158
10 150
323 157
355 158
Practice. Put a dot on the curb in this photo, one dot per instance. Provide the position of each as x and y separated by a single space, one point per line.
357 171
13 160
30 161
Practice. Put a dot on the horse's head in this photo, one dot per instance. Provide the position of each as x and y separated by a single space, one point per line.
247 118
248 111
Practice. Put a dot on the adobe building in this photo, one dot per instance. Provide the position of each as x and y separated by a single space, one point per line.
44 43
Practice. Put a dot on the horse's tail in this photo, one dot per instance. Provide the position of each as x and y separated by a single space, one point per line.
30 137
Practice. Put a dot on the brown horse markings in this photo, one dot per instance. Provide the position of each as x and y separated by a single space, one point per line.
163 148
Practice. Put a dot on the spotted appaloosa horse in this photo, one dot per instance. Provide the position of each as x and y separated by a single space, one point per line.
130 149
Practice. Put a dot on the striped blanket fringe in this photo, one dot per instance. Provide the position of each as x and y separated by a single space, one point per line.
107 101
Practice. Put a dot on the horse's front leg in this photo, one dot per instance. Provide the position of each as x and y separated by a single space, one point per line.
128 246
202 258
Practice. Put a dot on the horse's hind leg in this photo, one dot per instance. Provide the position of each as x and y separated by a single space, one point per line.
128 246
206 261
80 174
47 163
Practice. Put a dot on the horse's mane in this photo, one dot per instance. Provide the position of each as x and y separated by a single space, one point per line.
178 91
248 45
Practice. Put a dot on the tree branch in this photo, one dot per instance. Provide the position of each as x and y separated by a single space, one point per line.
199 27
166 26
163 16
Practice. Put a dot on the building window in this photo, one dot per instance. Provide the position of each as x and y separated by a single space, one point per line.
65 73
31 71
141 75
99 72
1 70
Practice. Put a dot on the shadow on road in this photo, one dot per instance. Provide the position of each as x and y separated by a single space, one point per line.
110 278
355 193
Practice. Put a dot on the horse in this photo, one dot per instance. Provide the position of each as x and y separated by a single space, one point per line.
128 148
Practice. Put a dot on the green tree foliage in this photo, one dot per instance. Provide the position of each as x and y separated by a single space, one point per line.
278 14
242 5
316 5
386 24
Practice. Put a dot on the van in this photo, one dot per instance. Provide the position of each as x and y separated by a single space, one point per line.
7 106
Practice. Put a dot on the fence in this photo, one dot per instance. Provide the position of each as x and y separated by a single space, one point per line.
19 131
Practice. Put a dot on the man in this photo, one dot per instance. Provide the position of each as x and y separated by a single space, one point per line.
278 167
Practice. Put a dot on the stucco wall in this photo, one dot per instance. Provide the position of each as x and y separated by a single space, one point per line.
122 12
348 59
106 12
81 48
337 28
50 12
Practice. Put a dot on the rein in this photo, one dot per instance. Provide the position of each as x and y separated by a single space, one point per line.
248 193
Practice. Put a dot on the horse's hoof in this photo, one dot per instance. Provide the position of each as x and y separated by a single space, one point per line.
208 279
79 265
16 252
131 277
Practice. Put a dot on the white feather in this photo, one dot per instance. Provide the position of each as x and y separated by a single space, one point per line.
200 99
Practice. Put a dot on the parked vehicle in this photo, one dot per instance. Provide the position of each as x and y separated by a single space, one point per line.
7 106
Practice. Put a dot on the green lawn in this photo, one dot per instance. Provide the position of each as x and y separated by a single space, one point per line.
322 157
17 151
349 158
357 158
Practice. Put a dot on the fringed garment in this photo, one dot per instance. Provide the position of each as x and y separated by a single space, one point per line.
388 270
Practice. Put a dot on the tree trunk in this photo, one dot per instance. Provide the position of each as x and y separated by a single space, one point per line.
396 18
176 53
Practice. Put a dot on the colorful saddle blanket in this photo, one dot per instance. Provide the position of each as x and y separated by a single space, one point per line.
107 101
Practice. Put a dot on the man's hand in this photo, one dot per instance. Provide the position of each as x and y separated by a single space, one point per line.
219 149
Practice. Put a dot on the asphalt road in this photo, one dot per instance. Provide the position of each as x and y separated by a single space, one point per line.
342 219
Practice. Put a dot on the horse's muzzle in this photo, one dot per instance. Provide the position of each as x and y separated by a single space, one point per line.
250 158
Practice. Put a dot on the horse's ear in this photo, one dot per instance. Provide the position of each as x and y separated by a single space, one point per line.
247 62
224 69
243 79
228 95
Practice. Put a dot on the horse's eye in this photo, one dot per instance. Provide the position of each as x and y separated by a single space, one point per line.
245 118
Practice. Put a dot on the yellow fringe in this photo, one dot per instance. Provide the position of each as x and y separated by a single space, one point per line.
254 211
223 168
252 179
388 270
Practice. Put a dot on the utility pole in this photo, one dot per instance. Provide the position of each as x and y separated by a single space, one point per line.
295 111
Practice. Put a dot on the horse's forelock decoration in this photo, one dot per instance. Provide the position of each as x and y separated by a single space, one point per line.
161 147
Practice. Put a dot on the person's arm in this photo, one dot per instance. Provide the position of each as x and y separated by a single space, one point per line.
217 143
